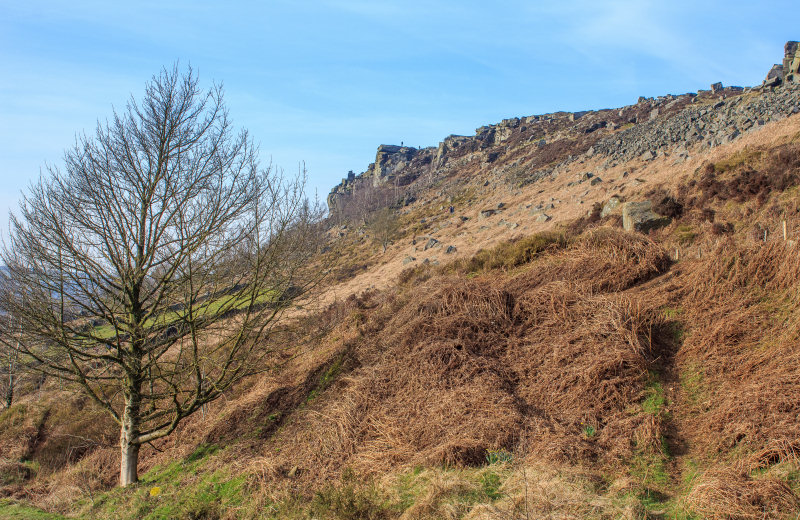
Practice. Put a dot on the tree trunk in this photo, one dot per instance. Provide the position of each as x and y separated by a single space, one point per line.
129 447
10 391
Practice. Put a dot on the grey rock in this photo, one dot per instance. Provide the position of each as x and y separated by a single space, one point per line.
486 213
595 181
407 260
639 216
450 250
611 205
431 243
543 218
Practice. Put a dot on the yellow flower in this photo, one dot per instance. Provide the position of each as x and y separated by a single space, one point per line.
155 491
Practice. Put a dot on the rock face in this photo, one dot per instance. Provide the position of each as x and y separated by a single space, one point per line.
639 216
526 150
791 62
789 70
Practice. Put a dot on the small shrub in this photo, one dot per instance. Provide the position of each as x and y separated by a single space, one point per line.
668 206
685 234
721 228
353 500
498 456
515 253
491 482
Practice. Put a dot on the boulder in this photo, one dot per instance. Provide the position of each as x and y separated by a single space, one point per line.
450 250
609 207
486 213
431 243
543 218
639 216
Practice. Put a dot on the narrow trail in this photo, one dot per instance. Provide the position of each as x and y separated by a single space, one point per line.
664 292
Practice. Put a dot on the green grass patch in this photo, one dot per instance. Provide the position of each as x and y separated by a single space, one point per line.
13 417
327 378
650 469
182 489
746 156
13 510
351 500
693 385
511 254
685 234
654 400
204 308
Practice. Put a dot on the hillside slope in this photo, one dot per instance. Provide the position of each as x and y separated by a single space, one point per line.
591 315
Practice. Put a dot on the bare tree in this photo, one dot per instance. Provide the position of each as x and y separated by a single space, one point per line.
9 356
9 365
383 226
156 265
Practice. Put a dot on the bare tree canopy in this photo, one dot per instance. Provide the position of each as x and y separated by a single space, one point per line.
153 267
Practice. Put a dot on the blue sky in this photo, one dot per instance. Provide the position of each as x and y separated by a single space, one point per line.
325 82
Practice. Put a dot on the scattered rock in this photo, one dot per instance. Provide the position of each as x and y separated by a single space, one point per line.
486 213
639 216
431 243
610 206
450 250
543 218
407 260
595 181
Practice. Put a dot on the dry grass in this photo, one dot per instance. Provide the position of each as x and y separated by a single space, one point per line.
523 366
548 351
726 496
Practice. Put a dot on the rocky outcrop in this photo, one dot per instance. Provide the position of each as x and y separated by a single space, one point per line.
705 124
394 165
529 149
639 216
791 63
787 71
